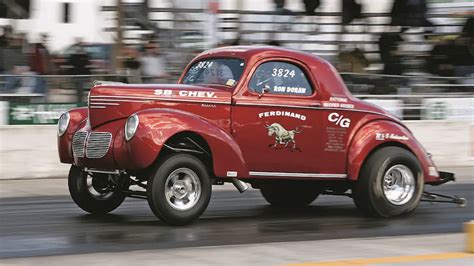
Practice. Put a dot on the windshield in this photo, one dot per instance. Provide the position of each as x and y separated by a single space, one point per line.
215 71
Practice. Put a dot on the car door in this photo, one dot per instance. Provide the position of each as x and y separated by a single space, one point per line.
275 120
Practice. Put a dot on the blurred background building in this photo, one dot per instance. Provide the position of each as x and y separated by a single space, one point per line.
414 57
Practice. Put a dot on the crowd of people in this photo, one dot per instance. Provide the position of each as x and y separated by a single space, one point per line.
19 57
25 66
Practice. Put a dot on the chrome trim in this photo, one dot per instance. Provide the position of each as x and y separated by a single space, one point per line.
104 103
98 144
119 100
79 143
182 189
67 123
283 174
278 105
170 99
316 108
104 82
399 184
99 171
97 107
239 185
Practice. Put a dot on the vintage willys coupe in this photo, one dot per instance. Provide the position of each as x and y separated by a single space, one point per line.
278 119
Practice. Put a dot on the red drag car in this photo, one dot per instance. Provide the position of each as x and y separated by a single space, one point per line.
278 119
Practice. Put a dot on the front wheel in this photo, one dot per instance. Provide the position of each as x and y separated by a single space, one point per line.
180 189
390 183
96 194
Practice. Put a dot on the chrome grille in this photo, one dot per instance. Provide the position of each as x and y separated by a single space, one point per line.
78 142
98 144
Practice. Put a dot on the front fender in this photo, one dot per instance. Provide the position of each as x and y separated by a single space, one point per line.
380 133
77 118
158 125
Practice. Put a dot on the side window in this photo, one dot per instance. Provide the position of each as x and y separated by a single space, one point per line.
280 78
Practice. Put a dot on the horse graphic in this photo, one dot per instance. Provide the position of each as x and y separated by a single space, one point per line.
282 136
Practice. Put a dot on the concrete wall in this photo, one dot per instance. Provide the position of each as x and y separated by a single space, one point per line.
31 151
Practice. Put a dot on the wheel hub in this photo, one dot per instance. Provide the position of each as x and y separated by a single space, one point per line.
180 190
100 187
399 184
183 189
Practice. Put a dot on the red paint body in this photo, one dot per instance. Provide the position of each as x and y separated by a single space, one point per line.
233 123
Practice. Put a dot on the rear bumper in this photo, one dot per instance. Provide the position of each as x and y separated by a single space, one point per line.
444 177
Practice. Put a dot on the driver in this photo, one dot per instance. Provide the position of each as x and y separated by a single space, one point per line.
217 73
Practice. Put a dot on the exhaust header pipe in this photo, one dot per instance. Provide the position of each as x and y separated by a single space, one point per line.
239 185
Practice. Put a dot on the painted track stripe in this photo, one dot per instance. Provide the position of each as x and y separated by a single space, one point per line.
401 259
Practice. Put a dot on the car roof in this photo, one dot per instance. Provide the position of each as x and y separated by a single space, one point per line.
326 74
248 51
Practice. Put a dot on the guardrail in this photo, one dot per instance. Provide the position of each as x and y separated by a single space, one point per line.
58 88
409 97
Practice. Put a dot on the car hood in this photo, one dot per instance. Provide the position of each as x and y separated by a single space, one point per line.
116 101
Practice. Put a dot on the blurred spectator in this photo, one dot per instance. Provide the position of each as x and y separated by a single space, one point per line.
131 63
274 43
350 11
40 62
236 41
6 35
279 5
352 61
153 63
310 6
80 65
15 63
7 32
409 13
454 57
389 53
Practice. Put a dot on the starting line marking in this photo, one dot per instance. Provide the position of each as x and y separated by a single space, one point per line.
401 259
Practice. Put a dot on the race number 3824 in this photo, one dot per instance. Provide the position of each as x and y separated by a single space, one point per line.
282 72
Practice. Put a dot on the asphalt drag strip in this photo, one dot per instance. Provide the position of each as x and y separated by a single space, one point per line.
53 225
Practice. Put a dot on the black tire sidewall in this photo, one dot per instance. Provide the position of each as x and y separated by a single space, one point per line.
372 182
156 189
77 184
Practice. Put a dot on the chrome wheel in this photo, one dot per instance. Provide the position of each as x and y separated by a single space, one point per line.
99 187
182 189
399 184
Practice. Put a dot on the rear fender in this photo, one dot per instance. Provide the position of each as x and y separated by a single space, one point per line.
158 125
380 133
77 118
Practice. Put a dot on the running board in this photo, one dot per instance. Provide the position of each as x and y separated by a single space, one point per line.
290 174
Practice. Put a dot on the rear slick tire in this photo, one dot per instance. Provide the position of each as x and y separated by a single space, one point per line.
180 190
390 183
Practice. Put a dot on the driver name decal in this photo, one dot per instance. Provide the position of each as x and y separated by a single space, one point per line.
289 90
282 113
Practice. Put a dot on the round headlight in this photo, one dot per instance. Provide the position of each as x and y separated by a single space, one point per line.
63 123
131 126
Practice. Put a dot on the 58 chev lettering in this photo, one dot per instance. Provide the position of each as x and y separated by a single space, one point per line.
164 143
